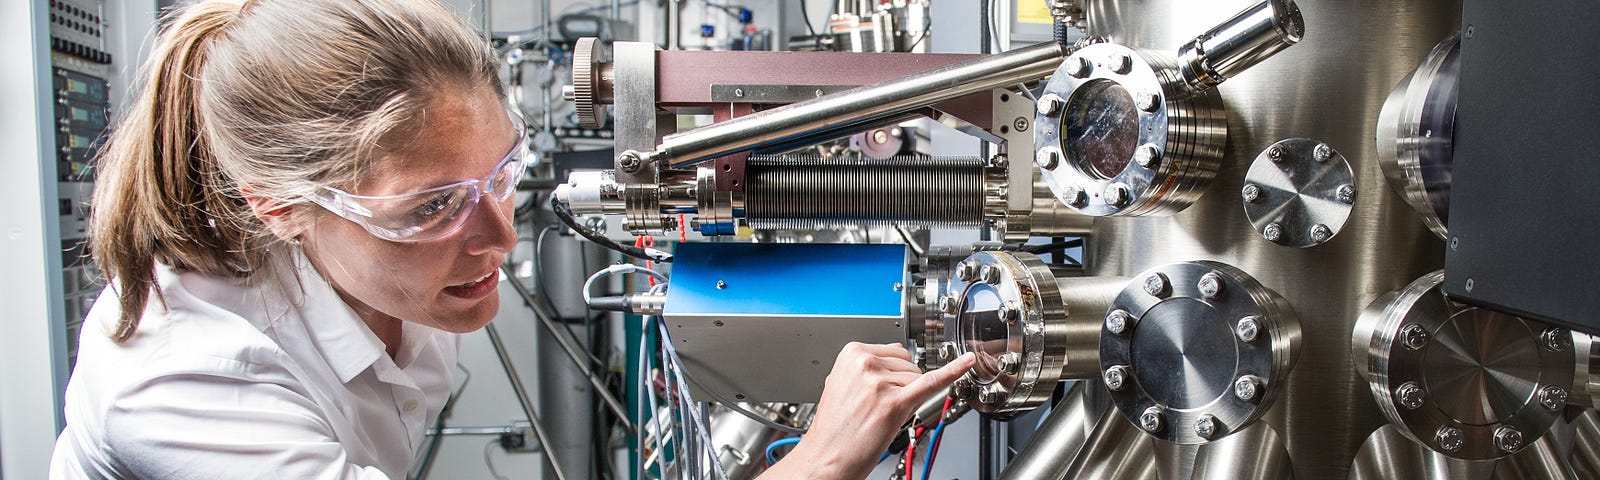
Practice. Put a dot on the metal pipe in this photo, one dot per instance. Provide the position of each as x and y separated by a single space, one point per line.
567 346
523 400
855 106
1254 454
1240 42
1538 461
1087 300
1114 450
1050 452
1586 444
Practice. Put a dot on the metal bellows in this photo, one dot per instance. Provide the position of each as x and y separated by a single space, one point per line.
805 193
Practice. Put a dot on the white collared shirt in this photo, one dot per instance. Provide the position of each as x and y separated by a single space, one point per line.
271 377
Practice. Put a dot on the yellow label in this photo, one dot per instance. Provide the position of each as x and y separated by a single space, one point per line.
1033 11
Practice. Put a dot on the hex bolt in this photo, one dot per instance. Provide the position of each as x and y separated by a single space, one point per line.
1049 105
1075 197
989 274
721 285
1414 336
1555 339
1152 420
1206 426
1410 395
949 304
1147 156
738 92
948 351
1010 362
963 388
1250 192
1116 377
1009 312
1248 329
1210 285
1321 233
1047 159
1275 153
880 136
1248 388
1448 438
991 395
1155 284
1117 195
1079 67
966 271
1346 194
1117 321
630 161
1272 232
1147 100
1552 397
1507 439
1322 152
1119 62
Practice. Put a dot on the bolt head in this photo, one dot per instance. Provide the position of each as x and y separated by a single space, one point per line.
1047 158
949 304
1206 426
1248 329
1010 362
1346 194
1275 153
1210 285
1152 420
1555 339
880 136
1507 439
1414 336
967 271
1321 233
989 274
1079 67
1272 232
1147 100
1009 312
1049 105
1117 321
991 394
1248 388
1075 197
948 351
1251 193
1155 284
630 161
1116 378
1410 395
721 284
1552 397
1117 195
1147 156
1448 439
963 388
1322 152
1119 62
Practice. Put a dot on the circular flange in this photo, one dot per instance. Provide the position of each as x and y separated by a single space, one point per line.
1205 349
1416 134
998 305
586 59
1119 133
1468 382
1299 193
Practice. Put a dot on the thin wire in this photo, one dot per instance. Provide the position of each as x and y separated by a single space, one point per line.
489 460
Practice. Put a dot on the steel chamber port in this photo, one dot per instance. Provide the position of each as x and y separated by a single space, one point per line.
1416 133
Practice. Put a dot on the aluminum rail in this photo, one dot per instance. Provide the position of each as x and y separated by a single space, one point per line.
567 346
853 107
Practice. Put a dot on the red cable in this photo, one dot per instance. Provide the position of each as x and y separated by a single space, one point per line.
933 450
683 230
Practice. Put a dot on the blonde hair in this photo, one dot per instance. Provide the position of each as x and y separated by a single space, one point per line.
273 99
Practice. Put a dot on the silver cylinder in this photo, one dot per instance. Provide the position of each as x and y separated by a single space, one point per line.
1115 449
1342 72
1586 445
1240 42
852 108
799 193
741 442
1050 218
1253 454
1539 461
1087 299
1050 452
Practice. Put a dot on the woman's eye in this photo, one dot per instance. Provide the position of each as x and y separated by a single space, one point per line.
434 206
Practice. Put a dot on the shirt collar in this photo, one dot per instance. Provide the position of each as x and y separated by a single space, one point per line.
336 332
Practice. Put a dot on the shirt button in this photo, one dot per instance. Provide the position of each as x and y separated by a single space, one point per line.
410 405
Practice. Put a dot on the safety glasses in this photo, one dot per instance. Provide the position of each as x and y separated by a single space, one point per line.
435 212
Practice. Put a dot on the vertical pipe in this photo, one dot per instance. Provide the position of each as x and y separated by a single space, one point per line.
524 401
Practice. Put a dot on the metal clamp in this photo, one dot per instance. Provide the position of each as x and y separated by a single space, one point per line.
997 308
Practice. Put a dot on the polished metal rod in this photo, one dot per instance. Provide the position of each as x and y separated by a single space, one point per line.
856 106
1115 449
1053 447
524 400
1249 37
567 346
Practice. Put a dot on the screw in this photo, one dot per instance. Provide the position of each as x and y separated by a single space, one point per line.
989 274
1414 336
1469 284
1117 377
1552 397
1147 156
1448 438
1206 426
1155 284
880 136
1346 194
948 351
718 323
1321 233
1322 152
1210 285
1248 329
1147 100
1275 153
1555 339
1273 231
1410 395
899 287
630 161
738 92
721 284
967 271
1507 439
1049 105
1117 321
817 92
1469 31
1047 159
991 395
949 304
1117 195
1079 67
1010 363
1247 388
1075 197
1455 242
962 388
1009 313
1151 420
1251 193
1119 62
1020 124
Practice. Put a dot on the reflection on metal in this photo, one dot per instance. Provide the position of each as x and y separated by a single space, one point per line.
1586 444
1115 449
1049 453
997 308
1389 454
1539 461
809 193
1299 192
741 441
1416 130
1467 382
1193 352
1255 453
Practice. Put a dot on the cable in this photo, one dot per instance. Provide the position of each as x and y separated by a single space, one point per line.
933 443
779 443
806 17
616 269
489 460
564 212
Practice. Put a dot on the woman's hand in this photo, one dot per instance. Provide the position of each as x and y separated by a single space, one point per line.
871 392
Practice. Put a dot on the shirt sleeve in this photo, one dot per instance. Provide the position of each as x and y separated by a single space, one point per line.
204 426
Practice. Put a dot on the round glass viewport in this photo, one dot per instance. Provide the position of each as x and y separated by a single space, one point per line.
1101 129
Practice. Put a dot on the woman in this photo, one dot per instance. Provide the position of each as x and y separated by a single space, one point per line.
304 208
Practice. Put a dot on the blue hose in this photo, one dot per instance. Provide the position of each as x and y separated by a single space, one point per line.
927 467
777 444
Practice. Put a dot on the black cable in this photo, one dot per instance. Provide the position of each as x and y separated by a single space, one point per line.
927 25
1052 246
565 214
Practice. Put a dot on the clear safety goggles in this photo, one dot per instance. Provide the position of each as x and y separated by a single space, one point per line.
435 212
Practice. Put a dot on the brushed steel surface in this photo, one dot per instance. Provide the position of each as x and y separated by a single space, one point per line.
1416 133
1050 452
1115 449
1389 454
1297 191
1540 461
1087 299
1586 444
1329 86
1256 453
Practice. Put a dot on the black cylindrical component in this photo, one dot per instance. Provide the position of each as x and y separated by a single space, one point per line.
805 193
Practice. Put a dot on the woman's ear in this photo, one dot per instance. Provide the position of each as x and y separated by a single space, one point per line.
276 216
